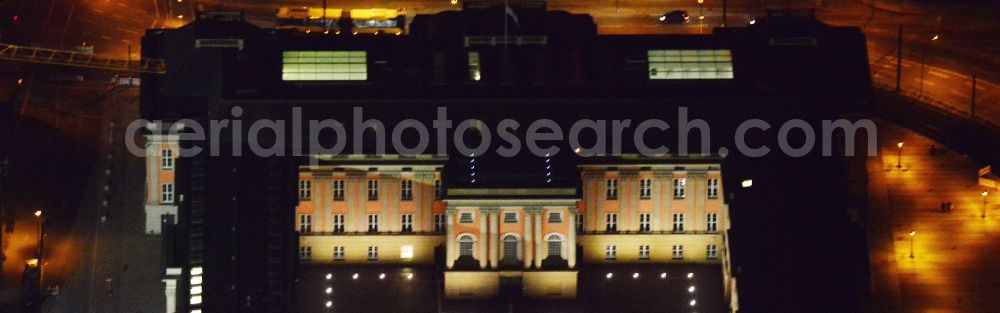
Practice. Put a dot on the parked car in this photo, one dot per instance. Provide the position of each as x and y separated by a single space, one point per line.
675 17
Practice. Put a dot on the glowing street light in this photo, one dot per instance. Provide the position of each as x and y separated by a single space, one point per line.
609 275
985 193
329 290
663 275
635 275
912 234
936 37
690 275
899 158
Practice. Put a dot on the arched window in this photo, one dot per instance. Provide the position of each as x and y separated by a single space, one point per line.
555 245
465 244
510 247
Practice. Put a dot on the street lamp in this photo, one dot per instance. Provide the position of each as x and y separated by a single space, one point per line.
899 158
912 233
41 244
985 193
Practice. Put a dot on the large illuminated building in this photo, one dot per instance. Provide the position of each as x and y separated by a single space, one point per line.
391 210
240 226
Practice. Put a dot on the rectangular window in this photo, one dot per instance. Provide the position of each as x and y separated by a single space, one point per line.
338 223
372 253
338 190
678 222
612 189
406 190
510 217
611 252
167 159
645 188
305 223
678 252
713 187
713 252
680 186
475 73
690 64
338 253
372 189
555 248
555 217
465 217
440 222
580 220
611 222
406 252
167 193
372 223
406 223
438 192
644 252
644 219
305 253
305 189
324 65
713 222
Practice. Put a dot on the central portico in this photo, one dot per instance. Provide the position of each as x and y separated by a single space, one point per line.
512 237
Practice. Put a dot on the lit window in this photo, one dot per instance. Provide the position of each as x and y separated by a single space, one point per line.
678 222
372 253
167 193
406 252
338 253
305 189
324 65
305 253
305 223
439 222
645 188
465 217
612 189
690 64
167 159
611 252
510 217
406 190
680 188
713 187
713 252
338 223
372 223
338 190
555 217
406 223
644 219
644 252
713 222
678 252
372 189
474 68
611 222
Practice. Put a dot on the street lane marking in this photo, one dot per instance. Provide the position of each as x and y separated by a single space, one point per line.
105 37
127 30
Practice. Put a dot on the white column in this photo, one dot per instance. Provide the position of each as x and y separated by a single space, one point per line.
494 234
170 288
539 256
450 238
571 239
483 239
527 256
